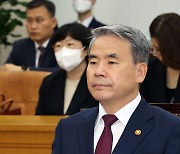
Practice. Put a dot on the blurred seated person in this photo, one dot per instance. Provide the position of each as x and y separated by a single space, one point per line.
84 13
162 83
65 92
35 52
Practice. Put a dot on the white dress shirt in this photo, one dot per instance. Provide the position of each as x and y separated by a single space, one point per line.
38 52
86 22
118 127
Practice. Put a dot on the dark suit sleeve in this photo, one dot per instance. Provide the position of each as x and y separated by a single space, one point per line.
46 69
42 98
56 146
11 58
173 145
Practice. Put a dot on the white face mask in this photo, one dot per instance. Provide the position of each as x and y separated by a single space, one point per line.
68 58
82 6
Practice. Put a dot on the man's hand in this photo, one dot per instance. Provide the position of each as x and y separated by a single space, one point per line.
10 67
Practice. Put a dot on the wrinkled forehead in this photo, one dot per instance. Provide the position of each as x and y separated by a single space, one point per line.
108 42
110 46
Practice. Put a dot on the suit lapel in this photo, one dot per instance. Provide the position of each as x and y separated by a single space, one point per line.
48 55
79 96
57 90
92 24
30 53
140 120
85 132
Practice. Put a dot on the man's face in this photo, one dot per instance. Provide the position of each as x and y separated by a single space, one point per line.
112 75
40 24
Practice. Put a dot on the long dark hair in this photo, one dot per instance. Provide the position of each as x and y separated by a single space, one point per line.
165 28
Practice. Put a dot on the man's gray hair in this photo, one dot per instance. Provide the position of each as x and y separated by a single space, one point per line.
139 44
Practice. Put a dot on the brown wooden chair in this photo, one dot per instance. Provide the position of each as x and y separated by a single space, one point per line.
173 108
5 106
23 88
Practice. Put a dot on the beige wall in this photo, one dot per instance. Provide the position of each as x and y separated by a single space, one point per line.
135 13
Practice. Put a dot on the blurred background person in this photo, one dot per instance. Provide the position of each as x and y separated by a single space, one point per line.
35 52
162 83
65 91
84 13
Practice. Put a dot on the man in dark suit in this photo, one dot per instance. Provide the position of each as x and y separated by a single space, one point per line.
35 52
85 15
124 123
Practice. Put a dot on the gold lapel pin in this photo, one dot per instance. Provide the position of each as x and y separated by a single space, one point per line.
138 132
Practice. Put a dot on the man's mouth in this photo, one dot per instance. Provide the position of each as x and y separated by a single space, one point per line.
33 33
100 85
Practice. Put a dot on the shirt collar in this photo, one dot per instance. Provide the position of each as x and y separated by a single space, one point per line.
124 113
86 22
44 44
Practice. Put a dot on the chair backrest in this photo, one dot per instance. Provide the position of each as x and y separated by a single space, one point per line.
5 106
173 108
23 88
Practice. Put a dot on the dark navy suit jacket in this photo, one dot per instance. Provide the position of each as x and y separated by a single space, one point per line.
51 96
160 133
23 53
154 88
95 24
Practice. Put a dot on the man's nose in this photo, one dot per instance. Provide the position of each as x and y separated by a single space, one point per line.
100 70
33 25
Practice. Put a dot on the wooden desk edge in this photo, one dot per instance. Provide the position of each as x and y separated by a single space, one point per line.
29 123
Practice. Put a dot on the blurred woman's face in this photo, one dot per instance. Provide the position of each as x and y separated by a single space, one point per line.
155 49
69 53
68 42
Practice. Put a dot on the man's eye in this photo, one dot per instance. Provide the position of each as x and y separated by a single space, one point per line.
70 44
112 62
57 46
92 62
29 20
39 20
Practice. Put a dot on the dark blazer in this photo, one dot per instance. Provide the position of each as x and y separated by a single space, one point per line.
51 96
95 24
23 53
154 88
160 133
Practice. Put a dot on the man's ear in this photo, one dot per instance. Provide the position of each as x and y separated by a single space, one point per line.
84 52
54 22
141 72
93 2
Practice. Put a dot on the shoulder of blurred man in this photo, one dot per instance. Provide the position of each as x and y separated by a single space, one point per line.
95 24
23 43
23 53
